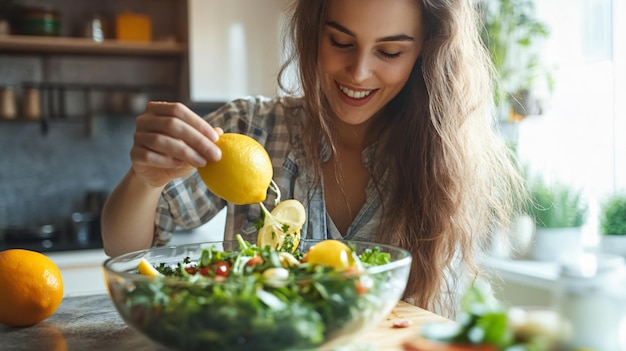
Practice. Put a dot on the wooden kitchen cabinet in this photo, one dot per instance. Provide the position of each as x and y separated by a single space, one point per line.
168 22
168 17
69 69
20 44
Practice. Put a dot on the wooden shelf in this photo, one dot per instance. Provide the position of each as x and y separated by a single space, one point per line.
53 101
85 46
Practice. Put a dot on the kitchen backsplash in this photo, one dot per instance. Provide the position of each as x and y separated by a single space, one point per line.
44 178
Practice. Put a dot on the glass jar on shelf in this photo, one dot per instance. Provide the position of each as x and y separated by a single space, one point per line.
8 103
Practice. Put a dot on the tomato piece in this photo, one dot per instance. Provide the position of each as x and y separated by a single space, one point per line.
205 271
220 268
191 270
363 285
332 253
256 259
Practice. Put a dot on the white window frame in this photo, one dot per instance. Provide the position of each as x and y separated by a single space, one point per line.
619 114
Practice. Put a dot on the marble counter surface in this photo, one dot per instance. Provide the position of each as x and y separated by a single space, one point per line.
91 323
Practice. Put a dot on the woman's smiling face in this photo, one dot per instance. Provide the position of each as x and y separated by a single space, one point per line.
367 51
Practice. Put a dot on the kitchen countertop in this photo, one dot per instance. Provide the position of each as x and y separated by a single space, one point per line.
92 323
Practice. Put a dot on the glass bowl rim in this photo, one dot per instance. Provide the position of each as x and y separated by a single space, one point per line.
404 260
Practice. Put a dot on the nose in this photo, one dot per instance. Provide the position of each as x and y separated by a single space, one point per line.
359 67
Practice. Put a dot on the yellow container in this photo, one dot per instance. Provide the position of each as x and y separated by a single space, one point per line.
133 27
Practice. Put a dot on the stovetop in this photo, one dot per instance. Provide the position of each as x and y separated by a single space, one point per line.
50 238
47 245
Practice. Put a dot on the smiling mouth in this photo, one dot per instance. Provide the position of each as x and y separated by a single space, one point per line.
355 94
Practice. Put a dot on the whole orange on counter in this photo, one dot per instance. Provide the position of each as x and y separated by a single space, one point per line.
31 287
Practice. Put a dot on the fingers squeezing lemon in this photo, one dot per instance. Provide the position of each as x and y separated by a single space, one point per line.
242 177
243 174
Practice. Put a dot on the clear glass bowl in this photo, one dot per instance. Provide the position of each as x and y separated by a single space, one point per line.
174 313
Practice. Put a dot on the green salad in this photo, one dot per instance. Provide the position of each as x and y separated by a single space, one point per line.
258 298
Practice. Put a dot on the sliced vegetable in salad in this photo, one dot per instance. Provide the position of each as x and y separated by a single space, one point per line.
280 228
259 298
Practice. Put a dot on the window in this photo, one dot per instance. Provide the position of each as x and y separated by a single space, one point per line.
580 138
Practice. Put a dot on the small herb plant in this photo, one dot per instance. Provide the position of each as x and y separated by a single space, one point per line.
613 215
556 205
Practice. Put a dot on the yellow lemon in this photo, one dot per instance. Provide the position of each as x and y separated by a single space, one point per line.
332 253
285 221
243 174
31 287
290 211
144 267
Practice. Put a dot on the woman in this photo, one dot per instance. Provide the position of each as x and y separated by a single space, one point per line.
390 141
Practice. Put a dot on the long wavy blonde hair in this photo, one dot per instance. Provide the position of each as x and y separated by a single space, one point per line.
454 182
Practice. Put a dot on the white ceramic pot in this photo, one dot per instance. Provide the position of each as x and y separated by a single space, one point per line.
552 243
613 244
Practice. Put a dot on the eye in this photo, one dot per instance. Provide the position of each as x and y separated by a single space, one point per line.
389 55
339 45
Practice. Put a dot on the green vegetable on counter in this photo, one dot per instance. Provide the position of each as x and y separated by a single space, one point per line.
484 321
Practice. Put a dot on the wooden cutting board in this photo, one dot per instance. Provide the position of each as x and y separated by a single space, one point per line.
388 337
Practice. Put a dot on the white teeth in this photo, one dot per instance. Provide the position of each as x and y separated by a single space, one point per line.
355 94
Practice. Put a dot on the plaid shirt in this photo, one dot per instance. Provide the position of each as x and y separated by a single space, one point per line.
186 203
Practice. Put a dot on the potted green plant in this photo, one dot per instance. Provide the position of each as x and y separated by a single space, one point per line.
559 211
613 224
512 34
